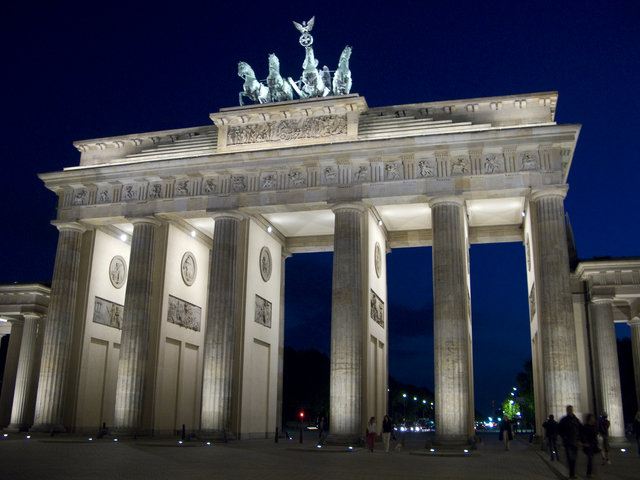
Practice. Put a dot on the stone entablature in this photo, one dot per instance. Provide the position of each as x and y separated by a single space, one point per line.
24 299
616 280
318 121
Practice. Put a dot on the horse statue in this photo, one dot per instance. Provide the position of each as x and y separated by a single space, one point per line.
342 77
311 84
253 89
279 90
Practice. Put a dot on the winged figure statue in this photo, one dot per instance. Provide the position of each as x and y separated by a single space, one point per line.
306 26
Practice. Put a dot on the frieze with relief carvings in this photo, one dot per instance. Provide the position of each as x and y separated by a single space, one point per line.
290 129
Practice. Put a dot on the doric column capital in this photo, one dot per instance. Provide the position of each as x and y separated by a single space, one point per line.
74 226
360 207
16 320
230 214
601 299
446 199
156 222
634 322
552 190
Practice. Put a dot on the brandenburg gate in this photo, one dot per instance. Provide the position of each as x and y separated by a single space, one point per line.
167 295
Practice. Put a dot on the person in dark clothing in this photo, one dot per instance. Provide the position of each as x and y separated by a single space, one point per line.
551 434
569 430
603 430
506 432
589 437
387 428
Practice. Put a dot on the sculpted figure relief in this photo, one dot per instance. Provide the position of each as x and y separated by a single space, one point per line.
425 168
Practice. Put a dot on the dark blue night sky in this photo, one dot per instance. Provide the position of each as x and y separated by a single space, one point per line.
79 70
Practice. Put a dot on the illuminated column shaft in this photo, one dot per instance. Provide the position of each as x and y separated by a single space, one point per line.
281 343
555 309
635 346
56 348
347 313
220 334
10 371
136 320
606 369
452 322
24 391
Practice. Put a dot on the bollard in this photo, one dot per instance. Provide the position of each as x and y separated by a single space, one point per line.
276 437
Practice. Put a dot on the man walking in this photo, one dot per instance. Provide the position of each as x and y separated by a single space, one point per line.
569 429
551 432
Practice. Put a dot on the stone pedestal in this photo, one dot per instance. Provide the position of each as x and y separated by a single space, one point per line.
24 394
220 334
10 371
555 309
452 323
635 347
347 313
56 348
134 346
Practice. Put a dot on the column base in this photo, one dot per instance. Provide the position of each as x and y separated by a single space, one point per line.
445 441
217 435
16 427
48 428
130 432
344 440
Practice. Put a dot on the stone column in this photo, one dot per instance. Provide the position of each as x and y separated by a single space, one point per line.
136 320
605 365
452 322
10 371
220 334
56 348
635 347
557 331
347 313
27 363
284 257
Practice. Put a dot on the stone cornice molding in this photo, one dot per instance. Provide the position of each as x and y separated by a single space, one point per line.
446 199
75 226
554 190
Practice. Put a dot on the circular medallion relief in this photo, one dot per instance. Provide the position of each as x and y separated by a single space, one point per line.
265 264
118 271
188 268
377 259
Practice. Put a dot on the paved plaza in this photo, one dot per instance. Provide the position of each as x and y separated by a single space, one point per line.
66 457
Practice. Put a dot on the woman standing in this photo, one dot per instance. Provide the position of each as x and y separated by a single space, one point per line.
371 433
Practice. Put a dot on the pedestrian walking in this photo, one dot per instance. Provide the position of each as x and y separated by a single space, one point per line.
603 430
387 428
371 433
506 432
589 437
569 430
551 435
321 428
